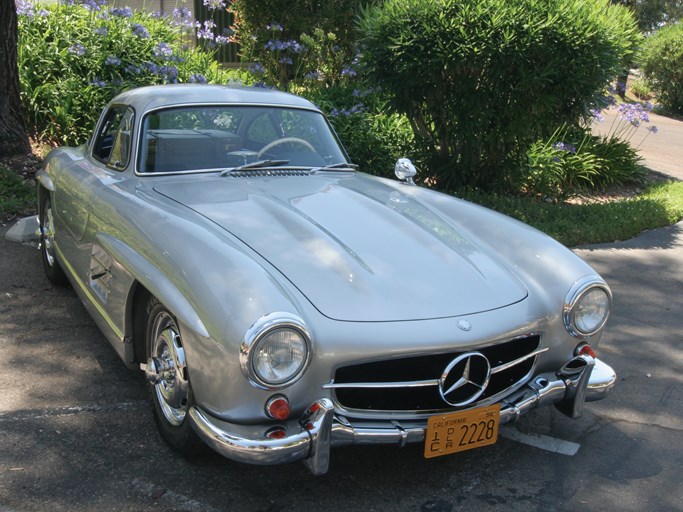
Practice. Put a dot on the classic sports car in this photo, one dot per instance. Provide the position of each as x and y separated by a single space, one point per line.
280 302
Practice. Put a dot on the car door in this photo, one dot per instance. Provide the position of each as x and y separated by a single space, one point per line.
83 179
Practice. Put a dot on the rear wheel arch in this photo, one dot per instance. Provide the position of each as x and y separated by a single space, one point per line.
140 297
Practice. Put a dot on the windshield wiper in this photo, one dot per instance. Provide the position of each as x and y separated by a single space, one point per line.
340 165
260 164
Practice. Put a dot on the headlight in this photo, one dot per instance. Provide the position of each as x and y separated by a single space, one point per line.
275 351
587 307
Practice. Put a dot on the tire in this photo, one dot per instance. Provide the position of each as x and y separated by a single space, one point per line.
53 270
171 395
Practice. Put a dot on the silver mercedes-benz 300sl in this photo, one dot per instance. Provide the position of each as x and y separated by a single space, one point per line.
281 303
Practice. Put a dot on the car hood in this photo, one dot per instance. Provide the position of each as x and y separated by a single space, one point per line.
359 248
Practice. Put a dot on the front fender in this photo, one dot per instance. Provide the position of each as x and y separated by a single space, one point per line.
154 281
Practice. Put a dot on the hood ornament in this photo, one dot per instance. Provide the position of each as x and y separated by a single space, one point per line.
405 170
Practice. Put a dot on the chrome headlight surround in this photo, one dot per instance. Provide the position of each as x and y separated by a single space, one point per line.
262 334
589 296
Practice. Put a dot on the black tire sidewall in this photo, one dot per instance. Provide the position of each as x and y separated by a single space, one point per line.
54 273
182 438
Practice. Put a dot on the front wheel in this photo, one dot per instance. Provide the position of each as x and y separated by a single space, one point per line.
167 375
54 272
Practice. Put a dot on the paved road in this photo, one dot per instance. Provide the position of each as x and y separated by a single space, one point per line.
661 151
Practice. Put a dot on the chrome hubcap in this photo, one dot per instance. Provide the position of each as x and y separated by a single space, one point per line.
48 235
166 369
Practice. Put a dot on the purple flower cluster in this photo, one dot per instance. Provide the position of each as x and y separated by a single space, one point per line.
213 5
275 27
77 49
25 8
112 60
164 51
276 45
182 17
121 12
205 31
196 78
256 68
562 146
94 5
356 109
101 31
634 113
140 31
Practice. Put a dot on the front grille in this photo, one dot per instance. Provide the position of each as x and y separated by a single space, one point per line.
411 384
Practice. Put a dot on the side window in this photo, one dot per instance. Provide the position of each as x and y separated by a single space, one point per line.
112 145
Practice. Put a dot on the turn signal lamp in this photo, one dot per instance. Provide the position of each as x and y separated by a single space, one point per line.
277 407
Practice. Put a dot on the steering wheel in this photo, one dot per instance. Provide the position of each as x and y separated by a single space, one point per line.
285 140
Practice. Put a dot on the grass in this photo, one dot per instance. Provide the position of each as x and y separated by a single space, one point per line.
577 224
17 199
572 224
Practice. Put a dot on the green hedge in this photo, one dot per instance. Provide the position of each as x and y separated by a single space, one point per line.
481 80
662 63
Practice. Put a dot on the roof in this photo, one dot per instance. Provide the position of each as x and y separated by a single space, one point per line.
155 96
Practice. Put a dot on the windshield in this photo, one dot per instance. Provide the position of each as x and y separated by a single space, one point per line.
201 138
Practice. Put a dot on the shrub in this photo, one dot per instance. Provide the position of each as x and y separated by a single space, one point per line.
481 80
74 58
271 34
662 64
374 138
572 161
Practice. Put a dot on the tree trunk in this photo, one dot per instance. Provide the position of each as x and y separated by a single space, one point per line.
13 138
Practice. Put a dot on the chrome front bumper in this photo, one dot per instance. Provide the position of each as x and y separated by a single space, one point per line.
583 379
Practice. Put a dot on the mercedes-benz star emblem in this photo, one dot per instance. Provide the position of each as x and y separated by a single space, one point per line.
465 379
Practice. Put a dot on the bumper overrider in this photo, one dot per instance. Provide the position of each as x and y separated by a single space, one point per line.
582 379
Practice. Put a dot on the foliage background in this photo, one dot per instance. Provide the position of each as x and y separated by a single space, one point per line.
481 80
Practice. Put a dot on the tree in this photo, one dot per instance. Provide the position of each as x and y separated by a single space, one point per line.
13 137
651 14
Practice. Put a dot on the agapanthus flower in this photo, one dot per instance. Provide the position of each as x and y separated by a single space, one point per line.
77 49
168 73
101 31
94 5
25 8
562 146
122 12
205 33
256 67
213 5
98 83
597 115
274 26
112 60
196 78
140 31
348 72
163 50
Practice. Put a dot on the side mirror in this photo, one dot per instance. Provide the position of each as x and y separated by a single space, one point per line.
405 170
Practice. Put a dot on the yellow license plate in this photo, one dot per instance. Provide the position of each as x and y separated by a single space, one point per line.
463 430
